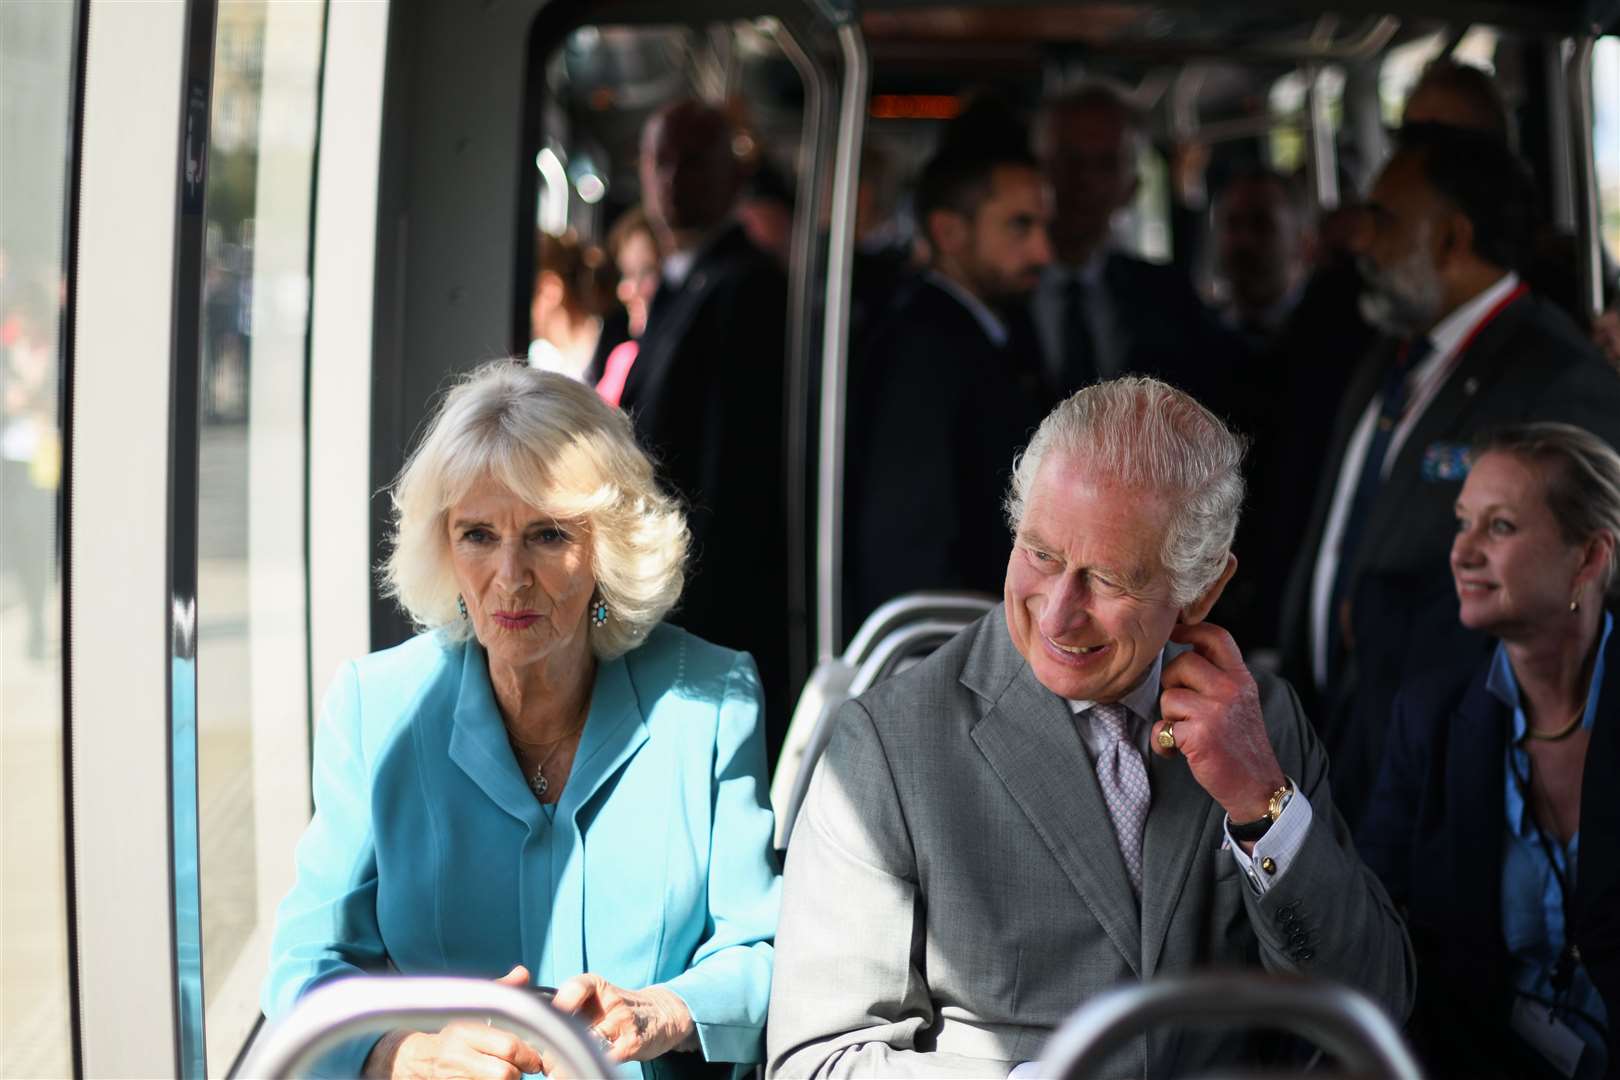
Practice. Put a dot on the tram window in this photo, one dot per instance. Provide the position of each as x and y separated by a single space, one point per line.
36 118
1288 102
604 82
1149 224
1404 64
253 697
1606 138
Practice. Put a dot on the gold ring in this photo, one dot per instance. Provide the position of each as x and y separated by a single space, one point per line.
1167 737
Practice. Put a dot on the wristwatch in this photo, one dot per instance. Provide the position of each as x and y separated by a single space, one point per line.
1254 830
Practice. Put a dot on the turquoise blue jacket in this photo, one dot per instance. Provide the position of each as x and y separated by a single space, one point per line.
428 854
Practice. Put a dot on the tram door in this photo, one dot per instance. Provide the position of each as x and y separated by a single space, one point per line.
162 466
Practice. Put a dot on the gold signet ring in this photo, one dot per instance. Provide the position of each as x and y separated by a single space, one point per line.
1167 737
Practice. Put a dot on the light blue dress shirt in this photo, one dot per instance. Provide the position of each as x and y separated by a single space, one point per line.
428 853
1532 900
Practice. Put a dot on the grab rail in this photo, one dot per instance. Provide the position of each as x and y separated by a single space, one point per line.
363 1005
1343 1022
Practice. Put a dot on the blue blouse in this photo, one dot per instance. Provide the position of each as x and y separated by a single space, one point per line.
1532 898
428 853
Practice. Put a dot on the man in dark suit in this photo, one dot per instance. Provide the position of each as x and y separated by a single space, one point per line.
1468 348
1101 312
706 393
941 396
1303 338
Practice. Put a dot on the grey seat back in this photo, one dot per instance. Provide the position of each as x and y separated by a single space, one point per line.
897 634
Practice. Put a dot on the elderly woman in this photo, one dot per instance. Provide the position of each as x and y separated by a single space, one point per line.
1496 819
548 785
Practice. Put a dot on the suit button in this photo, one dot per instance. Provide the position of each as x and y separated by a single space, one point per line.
1305 954
1298 939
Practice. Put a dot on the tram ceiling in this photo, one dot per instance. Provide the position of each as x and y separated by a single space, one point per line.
1187 27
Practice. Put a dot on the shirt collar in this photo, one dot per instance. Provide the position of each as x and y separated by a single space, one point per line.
677 265
1504 685
988 321
1451 331
1056 277
1141 699
1269 320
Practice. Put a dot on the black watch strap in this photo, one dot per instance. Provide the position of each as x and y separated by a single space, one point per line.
1248 830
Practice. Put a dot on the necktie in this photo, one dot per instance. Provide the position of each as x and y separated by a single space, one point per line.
1079 349
1122 775
1392 403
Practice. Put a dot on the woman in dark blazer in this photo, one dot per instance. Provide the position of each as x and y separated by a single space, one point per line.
1496 819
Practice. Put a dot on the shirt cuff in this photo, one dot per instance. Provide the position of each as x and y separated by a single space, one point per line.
1026 1070
1274 851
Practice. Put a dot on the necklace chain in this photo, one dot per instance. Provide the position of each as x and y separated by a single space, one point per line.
1566 730
538 782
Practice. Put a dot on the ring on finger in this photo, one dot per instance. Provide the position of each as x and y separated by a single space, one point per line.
1167 737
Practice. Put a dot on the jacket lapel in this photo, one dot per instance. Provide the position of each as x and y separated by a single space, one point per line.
1475 769
1597 877
478 743
1177 828
1476 370
1029 738
669 320
614 730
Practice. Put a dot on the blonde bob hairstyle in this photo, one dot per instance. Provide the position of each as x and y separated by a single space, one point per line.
556 445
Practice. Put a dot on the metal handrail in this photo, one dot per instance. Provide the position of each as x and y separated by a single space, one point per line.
879 664
1343 1022
835 341
363 1005
901 611
900 645
1578 86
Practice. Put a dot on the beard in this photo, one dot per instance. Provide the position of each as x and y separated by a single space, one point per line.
1405 299
998 288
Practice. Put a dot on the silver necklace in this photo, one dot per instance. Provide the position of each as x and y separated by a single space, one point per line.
538 783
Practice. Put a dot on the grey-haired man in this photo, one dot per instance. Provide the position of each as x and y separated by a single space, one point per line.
1060 800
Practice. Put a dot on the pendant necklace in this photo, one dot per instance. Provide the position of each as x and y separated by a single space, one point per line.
538 782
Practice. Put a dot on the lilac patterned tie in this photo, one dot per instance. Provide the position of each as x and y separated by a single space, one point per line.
1122 775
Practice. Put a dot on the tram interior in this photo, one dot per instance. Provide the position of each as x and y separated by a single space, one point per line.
494 121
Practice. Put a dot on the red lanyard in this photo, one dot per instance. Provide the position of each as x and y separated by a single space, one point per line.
1518 291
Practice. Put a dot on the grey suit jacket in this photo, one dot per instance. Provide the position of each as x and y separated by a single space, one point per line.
954 888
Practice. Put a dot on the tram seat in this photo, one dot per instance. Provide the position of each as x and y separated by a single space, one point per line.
895 636
1343 1023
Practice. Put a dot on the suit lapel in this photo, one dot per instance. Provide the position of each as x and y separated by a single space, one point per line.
1480 366
1598 872
1363 385
479 746
666 328
670 319
614 730
1177 827
1475 775
1029 738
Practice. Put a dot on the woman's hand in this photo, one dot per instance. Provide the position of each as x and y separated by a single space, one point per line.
635 1025
463 1048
